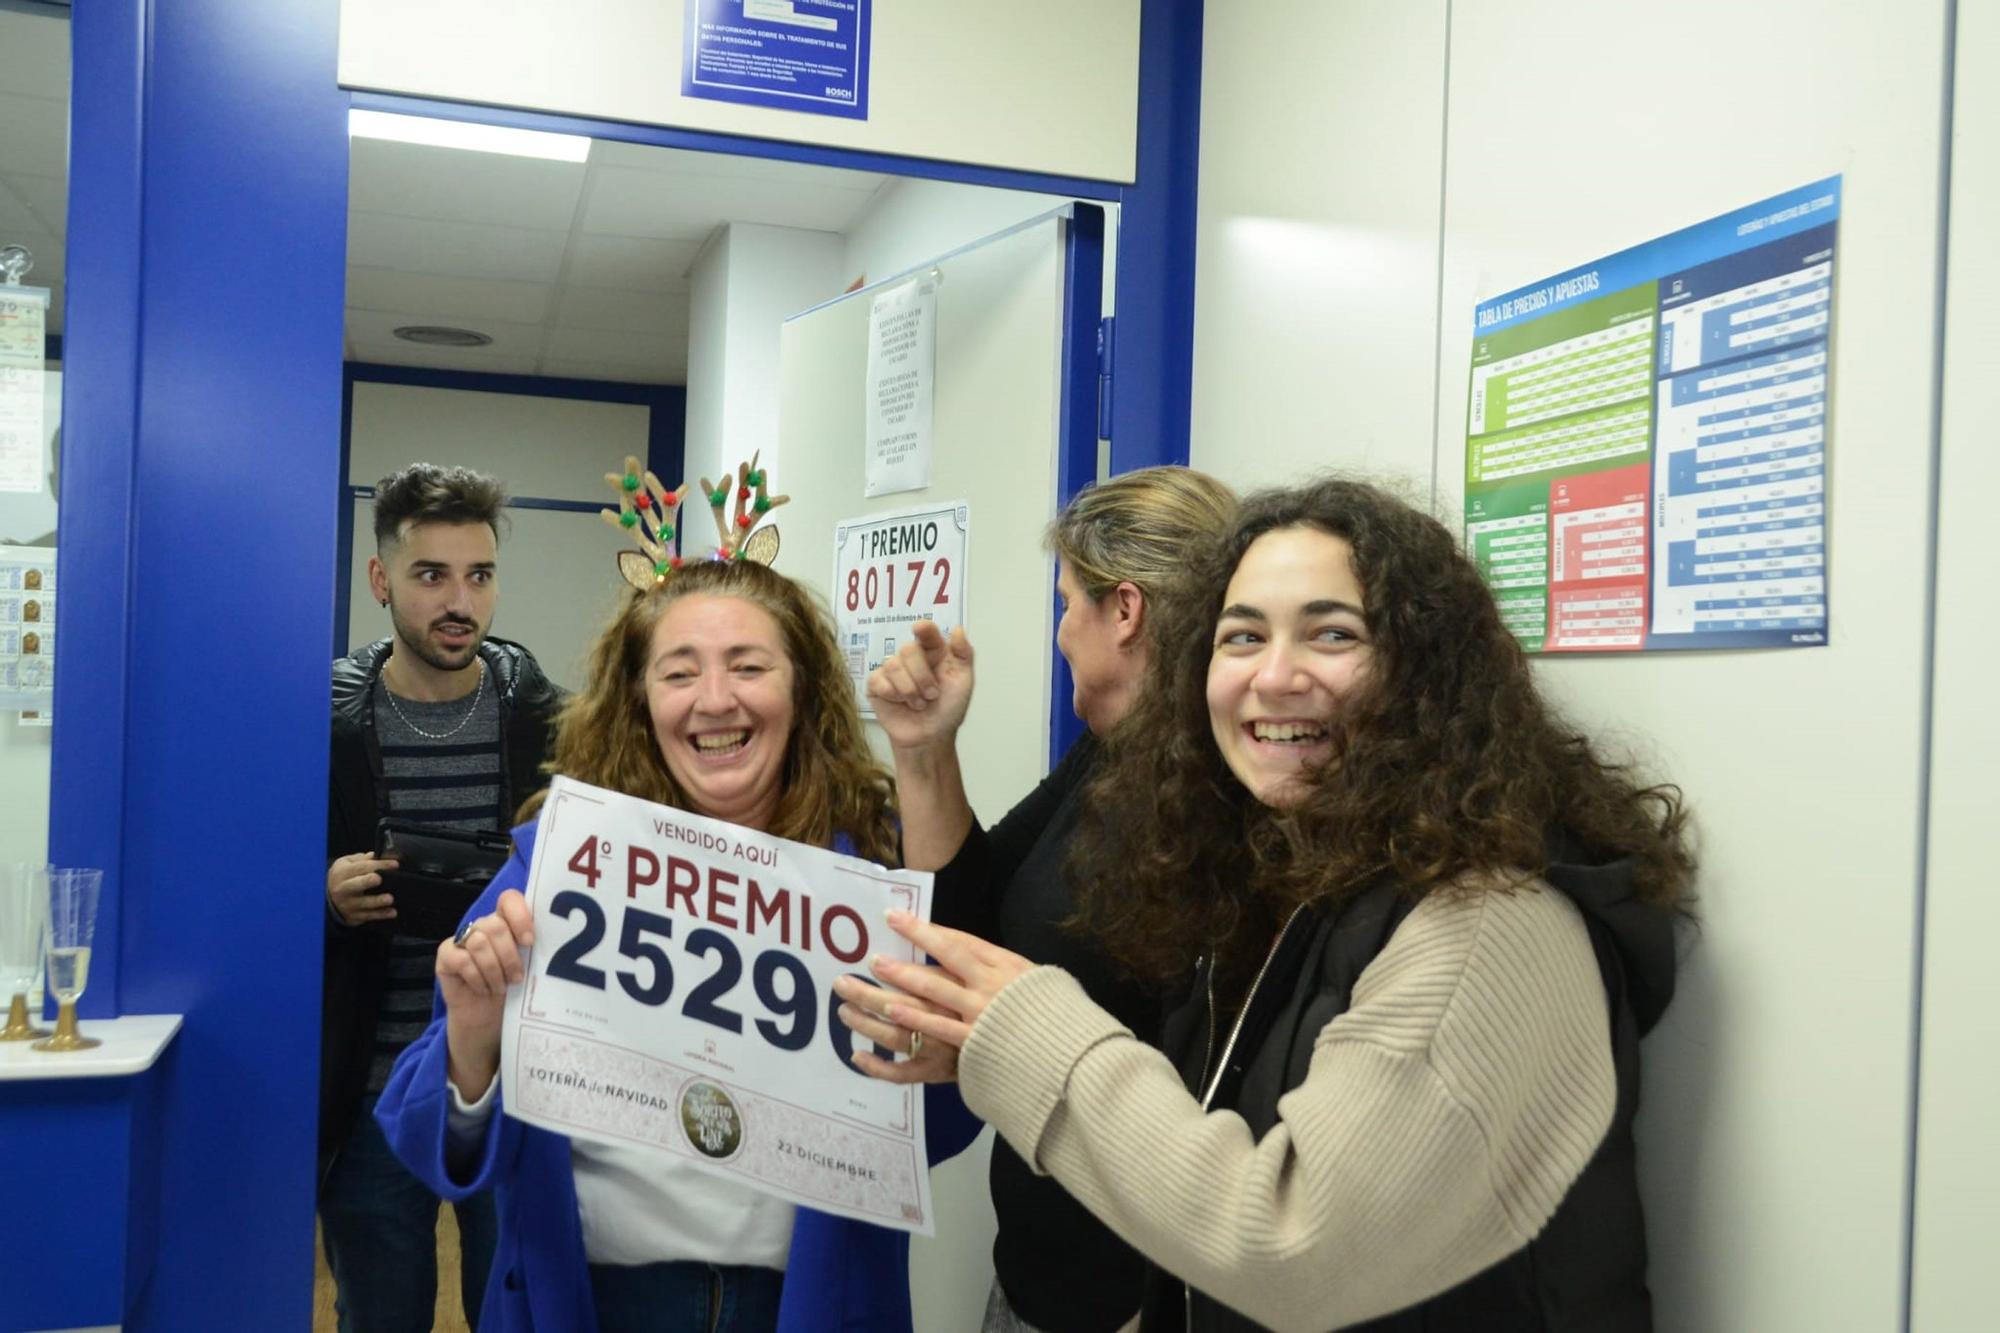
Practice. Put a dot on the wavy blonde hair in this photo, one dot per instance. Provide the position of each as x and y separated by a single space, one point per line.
831 783
1138 528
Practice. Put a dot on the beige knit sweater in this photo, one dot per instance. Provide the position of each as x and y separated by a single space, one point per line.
1443 1118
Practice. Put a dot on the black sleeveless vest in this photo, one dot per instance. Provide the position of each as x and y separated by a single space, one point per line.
1587 1268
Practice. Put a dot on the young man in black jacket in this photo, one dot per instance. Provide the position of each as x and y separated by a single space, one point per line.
436 724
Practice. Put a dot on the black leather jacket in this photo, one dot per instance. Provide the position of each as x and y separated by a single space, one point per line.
357 961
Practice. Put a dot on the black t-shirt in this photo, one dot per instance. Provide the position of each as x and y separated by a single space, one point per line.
1061 1268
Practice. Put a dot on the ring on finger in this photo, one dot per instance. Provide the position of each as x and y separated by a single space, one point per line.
916 1044
463 931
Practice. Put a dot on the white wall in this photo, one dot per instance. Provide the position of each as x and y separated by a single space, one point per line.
558 577
1036 85
746 282
1317 238
911 221
1774 1125
749 278
1958 1166
1775 1118
708 358
774 272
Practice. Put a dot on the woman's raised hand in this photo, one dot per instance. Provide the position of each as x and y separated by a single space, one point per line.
921 693
473 972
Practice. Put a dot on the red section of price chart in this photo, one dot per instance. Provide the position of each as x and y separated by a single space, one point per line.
1598 561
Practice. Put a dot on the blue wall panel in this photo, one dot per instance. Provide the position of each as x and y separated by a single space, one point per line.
100 419
67 1202
1156 234
209 180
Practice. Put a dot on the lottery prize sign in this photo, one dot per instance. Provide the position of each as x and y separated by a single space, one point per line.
679 996
889 572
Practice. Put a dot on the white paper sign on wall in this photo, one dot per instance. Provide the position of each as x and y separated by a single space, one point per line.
902 362
24 313
889 572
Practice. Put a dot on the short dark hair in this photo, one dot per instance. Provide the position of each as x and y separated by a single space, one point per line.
426 493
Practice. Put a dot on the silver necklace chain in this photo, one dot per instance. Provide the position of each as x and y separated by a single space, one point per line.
479 691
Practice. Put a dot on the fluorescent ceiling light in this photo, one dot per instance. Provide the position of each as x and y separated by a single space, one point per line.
461 134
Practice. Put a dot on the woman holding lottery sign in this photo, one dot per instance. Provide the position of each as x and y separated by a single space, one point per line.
1417 925
718 687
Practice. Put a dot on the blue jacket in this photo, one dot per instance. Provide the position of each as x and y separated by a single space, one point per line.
840 1274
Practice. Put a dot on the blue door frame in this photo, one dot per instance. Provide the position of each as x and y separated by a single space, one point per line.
202 408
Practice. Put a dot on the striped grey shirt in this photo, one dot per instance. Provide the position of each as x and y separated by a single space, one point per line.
453 783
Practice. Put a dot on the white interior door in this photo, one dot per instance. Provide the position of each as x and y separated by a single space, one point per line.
996 439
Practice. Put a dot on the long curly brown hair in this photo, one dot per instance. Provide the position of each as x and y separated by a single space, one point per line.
1448 769
831 782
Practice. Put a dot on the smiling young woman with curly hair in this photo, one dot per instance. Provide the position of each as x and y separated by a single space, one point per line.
1419 924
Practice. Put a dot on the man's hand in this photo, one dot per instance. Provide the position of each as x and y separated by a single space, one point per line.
348 884
921 693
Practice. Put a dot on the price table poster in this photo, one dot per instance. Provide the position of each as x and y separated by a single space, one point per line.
889 572
679 996
792 55
1646 448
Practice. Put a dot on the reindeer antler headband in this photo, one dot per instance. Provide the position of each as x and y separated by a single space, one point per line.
648 511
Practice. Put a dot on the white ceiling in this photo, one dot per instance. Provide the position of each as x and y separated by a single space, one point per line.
34 141
574 269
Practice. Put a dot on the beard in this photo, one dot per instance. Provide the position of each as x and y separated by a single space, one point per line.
417 639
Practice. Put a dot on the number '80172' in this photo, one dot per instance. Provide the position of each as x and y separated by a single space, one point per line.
865 588
791 1011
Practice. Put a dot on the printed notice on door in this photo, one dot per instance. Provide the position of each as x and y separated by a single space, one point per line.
902 361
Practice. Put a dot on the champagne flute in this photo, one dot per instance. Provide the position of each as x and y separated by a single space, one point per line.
72 921
24 918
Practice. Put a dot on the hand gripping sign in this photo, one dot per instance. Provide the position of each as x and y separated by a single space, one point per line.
679 996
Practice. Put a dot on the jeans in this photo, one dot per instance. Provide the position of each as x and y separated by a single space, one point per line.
686 1297
380 1227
